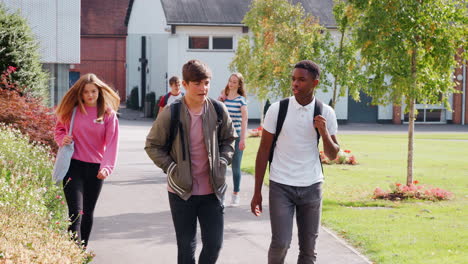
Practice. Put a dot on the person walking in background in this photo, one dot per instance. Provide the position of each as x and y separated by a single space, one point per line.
295 171
234 97
194 154
173 95
95 135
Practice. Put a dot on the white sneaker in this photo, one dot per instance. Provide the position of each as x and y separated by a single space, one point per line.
235 200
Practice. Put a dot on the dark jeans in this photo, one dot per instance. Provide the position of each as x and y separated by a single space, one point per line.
210 213
307 203
82 189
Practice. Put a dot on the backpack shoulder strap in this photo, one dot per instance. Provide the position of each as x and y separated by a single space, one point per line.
175 126
283 110
219 109
318 108
219 114
166 97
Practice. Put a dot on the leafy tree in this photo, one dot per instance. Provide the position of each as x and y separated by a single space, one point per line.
281 35
340 60
19 49
409 49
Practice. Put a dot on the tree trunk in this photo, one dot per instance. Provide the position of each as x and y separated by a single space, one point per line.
333 102
412 101
340 61
409 176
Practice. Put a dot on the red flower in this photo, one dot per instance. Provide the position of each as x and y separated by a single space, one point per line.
11 68
416 182
347 151
398 184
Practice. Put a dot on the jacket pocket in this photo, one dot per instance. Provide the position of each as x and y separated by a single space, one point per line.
172 178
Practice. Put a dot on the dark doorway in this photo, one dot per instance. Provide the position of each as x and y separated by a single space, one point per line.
363 111
72 78
144 63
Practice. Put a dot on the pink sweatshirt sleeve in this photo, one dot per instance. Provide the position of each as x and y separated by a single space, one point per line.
60 131
112 142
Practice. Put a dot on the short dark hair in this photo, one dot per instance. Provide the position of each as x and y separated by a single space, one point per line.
195 71
310 66
173 80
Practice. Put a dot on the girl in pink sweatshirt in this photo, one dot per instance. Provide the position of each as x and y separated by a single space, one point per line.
95 135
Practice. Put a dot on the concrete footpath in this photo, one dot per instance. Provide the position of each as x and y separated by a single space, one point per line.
133 223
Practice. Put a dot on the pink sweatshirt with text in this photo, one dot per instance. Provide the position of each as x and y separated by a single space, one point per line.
95 142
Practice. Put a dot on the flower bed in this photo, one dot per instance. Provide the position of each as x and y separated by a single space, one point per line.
413 191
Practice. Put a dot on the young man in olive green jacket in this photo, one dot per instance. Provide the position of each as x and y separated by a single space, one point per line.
195 164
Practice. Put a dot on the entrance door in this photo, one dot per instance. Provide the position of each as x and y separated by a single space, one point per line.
72 78
363 111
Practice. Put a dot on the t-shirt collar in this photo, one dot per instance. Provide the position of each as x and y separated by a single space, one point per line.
298 106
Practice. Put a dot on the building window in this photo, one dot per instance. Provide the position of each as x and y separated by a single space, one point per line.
211 43
428 116
199 42
222 43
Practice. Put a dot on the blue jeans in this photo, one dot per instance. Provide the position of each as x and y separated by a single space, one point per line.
210 213
236 164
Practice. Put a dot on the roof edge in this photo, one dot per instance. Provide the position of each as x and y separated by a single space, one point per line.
206 24
129 11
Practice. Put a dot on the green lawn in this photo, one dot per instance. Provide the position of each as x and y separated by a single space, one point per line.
397 232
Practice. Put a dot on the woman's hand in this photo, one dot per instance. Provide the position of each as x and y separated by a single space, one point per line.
222 97
67 140
103 174
242 144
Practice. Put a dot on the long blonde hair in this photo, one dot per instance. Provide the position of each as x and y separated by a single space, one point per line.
241 89
107 99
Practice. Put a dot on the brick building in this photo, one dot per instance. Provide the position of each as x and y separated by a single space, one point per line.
103 42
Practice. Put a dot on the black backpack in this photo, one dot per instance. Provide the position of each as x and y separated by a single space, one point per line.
177 127
283 110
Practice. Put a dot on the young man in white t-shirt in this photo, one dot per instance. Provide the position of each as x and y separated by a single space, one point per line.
295 171
172 95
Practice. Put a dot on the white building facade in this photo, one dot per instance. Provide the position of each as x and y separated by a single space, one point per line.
176 31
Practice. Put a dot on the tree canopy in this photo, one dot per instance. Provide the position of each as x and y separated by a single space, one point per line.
281 34
410 50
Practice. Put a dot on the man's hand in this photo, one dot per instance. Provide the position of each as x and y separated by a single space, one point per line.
321 124
256 204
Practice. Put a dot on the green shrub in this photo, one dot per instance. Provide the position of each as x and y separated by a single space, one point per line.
132 100
33 216
19 49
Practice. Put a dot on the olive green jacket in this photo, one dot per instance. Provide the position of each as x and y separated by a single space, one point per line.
176 164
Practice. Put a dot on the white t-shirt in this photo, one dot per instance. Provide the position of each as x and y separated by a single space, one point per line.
296 160
172 98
